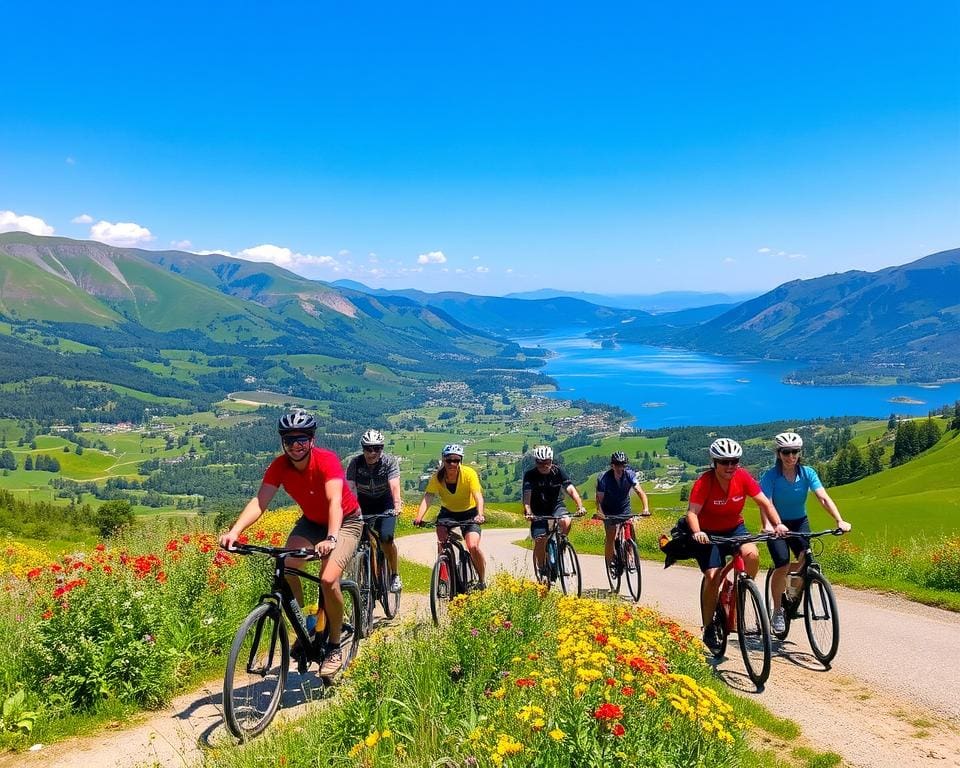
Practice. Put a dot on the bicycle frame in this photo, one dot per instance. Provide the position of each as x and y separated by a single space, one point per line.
457 554
554 536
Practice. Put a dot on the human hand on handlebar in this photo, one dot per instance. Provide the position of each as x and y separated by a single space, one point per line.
780 530
701 538
228 539
325 547
844 526
479 519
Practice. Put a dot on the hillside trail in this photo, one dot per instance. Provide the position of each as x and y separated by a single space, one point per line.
890 700
177 735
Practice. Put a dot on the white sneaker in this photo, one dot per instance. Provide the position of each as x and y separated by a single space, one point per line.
779 623
395 584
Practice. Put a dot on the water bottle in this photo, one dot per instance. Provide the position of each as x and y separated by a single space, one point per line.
311 623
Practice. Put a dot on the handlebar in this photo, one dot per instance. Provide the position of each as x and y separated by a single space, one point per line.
379 516
278 552
738 540
622 518
813 535
578 513
445 523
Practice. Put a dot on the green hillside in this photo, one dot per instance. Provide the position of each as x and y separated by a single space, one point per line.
921 496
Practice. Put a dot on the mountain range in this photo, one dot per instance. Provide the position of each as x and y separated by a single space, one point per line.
901 322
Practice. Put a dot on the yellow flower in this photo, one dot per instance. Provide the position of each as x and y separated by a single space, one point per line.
557 735
372 739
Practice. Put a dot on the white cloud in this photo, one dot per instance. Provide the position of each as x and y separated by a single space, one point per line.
728 260
509 270
70 161
796 255
781 253
182 245
764 250
123 234
433 257
459 270
483 269
343 253
284 257
83 218
475 258
11 222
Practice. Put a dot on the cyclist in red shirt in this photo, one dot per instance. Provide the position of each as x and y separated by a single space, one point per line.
716 507
331 522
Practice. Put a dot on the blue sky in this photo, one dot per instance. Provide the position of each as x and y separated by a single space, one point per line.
620 148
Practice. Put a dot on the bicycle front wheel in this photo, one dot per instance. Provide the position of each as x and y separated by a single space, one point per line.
389 600
614 568
441 588
571 581
753 631
821 618
256 672
631 568
353 627
365 587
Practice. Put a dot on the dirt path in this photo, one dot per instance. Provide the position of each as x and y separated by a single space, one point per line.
177 735
891 699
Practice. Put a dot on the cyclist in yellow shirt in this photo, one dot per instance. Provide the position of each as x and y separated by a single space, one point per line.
461 502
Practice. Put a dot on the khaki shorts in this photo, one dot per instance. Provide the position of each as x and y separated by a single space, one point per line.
348 537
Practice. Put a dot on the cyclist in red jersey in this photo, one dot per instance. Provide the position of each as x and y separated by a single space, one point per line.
716 507
331 522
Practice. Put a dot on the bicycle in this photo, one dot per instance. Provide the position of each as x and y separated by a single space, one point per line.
626 557
453 571
740 608
561 561
260 654
373 576
815 595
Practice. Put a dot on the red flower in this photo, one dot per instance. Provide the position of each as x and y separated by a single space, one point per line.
162 577
101 547
600 638
618 730
173 545
34 573
627 690
611 681
47 615
608 711
525 682
260 535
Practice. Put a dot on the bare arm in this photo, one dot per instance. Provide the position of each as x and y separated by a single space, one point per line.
768 514
643 498
478 498
572 492
527 512
250 514
425 502
598 499
397 495
333 488
693 520
828 504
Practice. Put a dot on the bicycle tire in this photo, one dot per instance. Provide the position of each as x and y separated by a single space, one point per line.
613 576
389 600
631 568
352 629
753 632
719 621
768 599
365 586
569 568
251 698
441 588
821 618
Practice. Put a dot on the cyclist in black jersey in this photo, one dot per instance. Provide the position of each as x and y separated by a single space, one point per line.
374 476
542 497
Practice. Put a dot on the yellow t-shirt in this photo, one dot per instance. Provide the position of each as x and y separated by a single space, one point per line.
461 500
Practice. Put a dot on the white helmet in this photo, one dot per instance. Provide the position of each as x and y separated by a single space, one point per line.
788 440
372 437
454 449
725 448
543 453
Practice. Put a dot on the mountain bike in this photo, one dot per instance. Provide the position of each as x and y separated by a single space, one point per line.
561 562
813 600
453 572
260 655
740 608
626 557
373 577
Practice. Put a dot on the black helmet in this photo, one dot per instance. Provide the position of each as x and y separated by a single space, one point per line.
619 457
296 421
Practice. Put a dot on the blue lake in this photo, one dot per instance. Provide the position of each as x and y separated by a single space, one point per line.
669 387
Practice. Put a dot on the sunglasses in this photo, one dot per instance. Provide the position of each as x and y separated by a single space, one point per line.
545 462
727 462
452 461
290 440
618 463
373 449
789 451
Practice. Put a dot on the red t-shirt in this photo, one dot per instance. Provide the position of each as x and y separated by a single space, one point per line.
307 487
722 511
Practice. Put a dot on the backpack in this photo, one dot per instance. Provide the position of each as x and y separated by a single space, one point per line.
679 544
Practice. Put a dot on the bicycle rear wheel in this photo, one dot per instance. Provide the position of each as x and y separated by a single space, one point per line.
768 599
614 568
571 581
365 586
821 618
631 568
441 588
256 672
389 600
753 631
